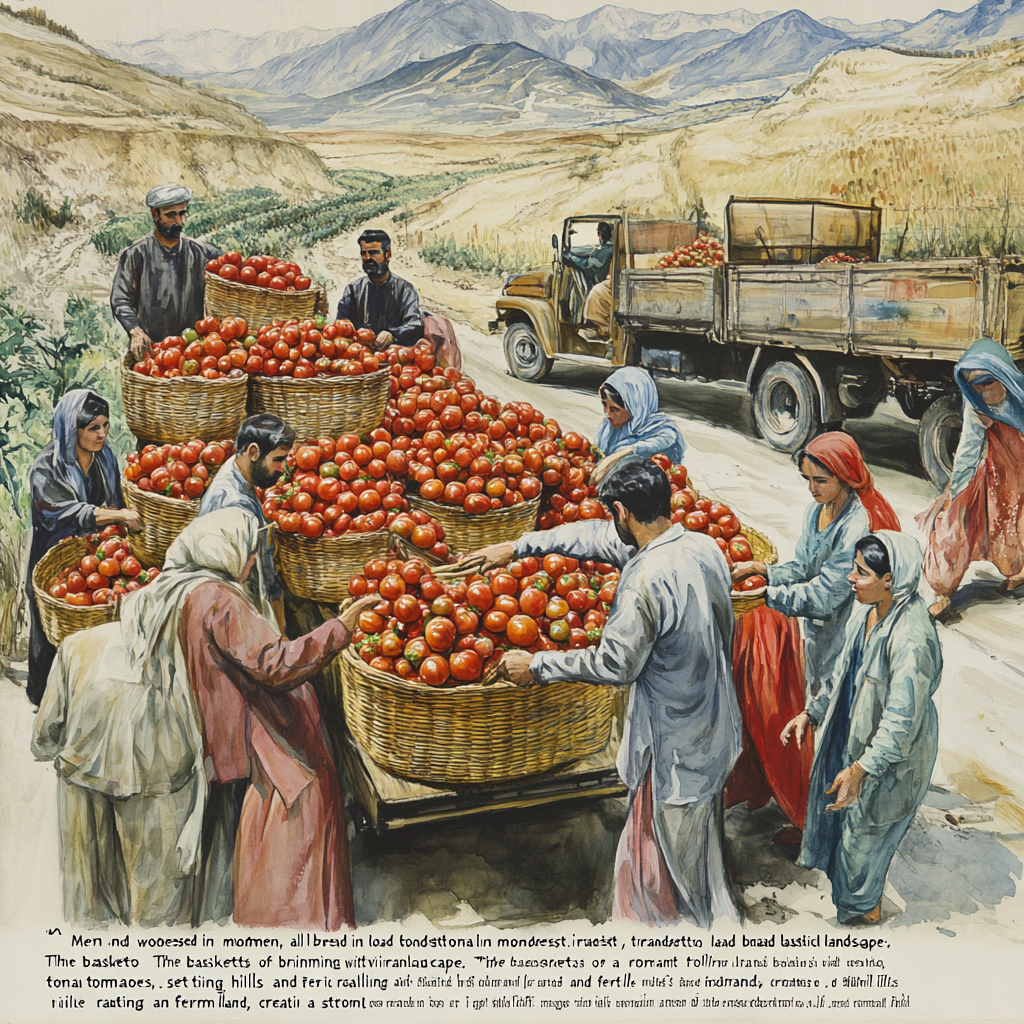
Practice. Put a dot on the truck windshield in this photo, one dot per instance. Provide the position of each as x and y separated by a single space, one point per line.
581 237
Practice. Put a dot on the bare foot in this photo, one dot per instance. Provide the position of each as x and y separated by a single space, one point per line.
940 605
874 916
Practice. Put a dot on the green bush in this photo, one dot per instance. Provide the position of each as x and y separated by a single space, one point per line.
446 252
32 208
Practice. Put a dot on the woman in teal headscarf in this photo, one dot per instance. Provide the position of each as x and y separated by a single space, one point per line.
878 728
633 423
980 515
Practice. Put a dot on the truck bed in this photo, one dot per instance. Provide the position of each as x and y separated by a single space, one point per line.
920 310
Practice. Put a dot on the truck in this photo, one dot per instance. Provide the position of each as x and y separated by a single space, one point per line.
815 343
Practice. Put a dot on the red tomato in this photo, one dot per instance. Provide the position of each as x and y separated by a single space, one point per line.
697 520
740 550
754 582
440 633
522 630
495 621
434 670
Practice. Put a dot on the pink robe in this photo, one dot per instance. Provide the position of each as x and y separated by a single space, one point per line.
291 866
985 521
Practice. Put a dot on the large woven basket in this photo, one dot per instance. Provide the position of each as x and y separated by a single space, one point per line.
163 519
324 405
465 533
170 411
472 734
257 306
319 568
59 619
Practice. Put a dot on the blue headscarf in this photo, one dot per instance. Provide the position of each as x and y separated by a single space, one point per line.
65 438
645 423
993 360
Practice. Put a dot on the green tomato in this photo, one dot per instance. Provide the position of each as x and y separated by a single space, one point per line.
249 342
321 322
190 336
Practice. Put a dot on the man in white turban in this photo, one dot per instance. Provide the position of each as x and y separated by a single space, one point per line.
159 286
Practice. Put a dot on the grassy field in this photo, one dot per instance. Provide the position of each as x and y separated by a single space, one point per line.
936 142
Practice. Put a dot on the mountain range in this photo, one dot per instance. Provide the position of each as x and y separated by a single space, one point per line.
442 63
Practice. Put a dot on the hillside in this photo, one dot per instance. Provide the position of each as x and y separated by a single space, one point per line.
476 89
938 143
74 123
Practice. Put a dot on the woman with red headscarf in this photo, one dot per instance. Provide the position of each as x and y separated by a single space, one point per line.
813 587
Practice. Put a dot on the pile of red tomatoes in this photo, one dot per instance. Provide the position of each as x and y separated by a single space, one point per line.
314 348
260 271
177 470
439 632
466 449
215 349
106 573
335 486
714 518
704 252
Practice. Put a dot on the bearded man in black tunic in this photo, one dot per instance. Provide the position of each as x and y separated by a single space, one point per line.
159 286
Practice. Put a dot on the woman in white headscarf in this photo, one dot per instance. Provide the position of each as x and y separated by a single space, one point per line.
124 729
878 728
121 724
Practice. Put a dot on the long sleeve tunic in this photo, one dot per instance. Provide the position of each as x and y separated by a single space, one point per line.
669 634
393 306
814 584
158 289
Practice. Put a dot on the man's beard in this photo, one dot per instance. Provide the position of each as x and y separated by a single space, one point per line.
624 535
169 231
263 477
375 270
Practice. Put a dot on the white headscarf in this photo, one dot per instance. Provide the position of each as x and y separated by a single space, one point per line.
215 547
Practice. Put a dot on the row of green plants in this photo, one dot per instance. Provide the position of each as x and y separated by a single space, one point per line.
262 220
39 363
445 251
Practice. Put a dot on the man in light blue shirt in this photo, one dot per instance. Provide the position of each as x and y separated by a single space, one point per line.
669 637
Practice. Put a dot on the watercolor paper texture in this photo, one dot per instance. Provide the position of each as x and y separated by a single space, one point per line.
799 222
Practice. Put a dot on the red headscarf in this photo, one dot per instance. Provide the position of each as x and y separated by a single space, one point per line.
839 454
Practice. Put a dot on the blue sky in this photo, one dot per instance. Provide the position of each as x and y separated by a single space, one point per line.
129 20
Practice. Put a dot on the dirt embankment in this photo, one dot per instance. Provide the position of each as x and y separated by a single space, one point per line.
102 133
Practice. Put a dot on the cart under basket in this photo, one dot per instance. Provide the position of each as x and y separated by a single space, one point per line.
384 802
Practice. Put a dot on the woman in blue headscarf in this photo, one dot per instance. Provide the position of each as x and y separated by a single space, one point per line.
633 424
878 732
76 489
980 515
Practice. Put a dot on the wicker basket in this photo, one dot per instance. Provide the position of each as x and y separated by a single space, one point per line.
324 405
169 411
465 533
59 619
764 551
319 568
257 306
163 519
472 734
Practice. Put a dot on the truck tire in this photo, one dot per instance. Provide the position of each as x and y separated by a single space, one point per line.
524 353
938 436
786 407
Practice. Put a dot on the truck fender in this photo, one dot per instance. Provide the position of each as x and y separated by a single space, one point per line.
538 312
831 407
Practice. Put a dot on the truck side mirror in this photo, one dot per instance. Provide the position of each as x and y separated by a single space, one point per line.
554 241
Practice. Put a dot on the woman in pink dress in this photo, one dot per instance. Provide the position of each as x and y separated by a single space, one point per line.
980 515
261 721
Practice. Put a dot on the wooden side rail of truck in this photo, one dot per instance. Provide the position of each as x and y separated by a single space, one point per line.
815 343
